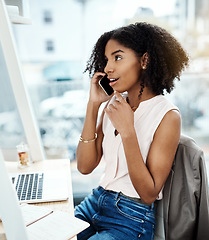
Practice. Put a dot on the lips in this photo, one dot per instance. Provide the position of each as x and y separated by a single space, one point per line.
113 81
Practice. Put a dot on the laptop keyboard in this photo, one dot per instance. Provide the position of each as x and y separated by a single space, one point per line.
29 186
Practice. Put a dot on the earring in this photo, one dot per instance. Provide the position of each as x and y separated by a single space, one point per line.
143 67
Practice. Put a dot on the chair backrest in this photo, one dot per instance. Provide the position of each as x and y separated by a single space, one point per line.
159 230
185 196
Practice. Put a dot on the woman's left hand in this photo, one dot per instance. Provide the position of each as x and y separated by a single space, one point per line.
121 115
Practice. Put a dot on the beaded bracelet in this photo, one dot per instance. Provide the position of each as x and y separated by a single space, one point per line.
88 141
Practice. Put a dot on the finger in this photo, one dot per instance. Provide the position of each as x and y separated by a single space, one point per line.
108 111
111 107
119 98
97 76
116 103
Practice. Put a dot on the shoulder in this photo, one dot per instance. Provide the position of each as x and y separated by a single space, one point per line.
171 119
168 117
161 100
167 109
170 126
160 111
159 104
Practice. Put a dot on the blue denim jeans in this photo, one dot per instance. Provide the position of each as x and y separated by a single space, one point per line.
115 217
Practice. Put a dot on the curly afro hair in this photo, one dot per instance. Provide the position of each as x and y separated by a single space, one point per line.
166 58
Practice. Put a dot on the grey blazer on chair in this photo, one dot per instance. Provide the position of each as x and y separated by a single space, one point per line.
185 205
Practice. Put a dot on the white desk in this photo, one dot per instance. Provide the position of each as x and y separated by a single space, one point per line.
47 165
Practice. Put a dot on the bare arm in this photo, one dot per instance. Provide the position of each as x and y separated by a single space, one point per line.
88 155
148 179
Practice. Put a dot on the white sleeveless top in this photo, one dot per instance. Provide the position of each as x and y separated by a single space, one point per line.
147 118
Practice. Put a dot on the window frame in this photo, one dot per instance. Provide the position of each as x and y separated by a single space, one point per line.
18 86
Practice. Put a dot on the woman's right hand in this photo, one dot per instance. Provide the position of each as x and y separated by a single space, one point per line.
97 95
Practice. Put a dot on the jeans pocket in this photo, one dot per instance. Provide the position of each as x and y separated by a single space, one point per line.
132 216
129 212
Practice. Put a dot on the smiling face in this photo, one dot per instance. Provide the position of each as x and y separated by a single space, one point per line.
123 67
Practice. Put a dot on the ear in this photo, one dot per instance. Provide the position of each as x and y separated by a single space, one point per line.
144 60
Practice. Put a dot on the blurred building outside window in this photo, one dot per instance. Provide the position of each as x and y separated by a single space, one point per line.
48 16
49 46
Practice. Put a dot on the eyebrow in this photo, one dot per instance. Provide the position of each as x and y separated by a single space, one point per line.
117 51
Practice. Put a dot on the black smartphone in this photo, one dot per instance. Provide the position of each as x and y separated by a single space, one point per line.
104 84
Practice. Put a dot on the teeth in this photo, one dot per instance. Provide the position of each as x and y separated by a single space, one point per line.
112 79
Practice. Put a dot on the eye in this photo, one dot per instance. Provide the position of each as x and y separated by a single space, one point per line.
118 57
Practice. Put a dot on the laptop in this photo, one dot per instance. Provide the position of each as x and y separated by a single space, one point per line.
56 225
34 187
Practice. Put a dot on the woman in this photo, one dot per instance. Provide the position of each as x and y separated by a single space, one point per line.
138 133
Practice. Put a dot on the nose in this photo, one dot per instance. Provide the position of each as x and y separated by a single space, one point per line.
109 68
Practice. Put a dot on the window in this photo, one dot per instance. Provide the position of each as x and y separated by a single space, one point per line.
48 17
11 129
12 75
49 46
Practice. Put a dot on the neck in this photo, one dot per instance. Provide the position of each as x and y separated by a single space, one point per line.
134 101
